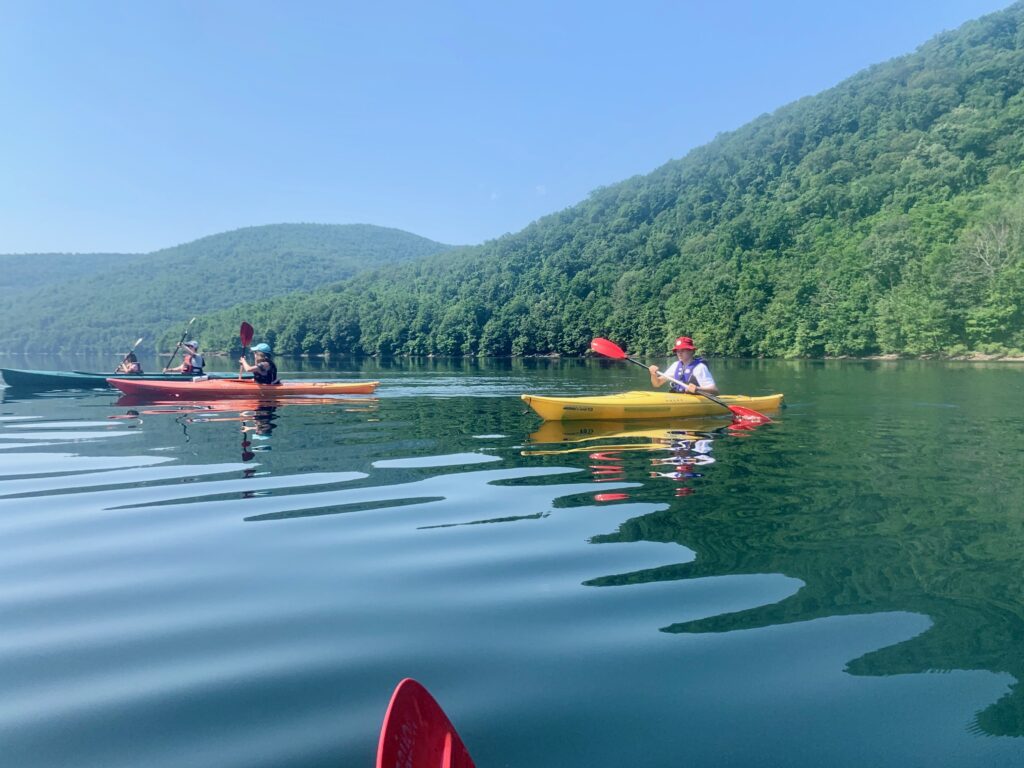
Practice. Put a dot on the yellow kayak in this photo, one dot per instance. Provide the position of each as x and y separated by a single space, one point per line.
644 404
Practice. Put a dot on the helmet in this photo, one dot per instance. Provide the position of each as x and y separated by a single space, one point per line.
193 344
683 342
264 348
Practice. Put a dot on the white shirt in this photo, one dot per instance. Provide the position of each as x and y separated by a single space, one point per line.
700 375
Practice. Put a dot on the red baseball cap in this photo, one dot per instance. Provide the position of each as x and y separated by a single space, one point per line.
683 342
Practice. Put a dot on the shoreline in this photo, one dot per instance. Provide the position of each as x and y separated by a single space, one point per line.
970 357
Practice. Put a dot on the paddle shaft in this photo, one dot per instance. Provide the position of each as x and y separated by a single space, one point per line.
180 342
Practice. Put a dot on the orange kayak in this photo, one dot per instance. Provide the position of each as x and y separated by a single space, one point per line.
204 389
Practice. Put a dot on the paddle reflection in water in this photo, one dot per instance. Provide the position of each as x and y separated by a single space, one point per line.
681 448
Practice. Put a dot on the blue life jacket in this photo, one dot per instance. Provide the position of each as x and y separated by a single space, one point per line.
687 374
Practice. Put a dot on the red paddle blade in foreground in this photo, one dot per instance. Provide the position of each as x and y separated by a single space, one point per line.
416 732
245 333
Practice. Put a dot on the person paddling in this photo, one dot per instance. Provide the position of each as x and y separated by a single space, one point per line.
263 369
130 365
689 369
192 363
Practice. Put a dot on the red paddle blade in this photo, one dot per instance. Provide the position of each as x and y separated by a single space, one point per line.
245 333
748 416
608 349
416 732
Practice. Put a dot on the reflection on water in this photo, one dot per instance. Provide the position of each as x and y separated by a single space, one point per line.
242 583
678 450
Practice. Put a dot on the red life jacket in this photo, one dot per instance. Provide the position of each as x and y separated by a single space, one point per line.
193 364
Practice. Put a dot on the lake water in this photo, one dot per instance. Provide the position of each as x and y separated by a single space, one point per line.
230 586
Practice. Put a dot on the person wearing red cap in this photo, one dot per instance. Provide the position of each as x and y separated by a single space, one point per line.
689 369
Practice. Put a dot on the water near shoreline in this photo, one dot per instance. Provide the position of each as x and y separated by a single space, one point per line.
217 585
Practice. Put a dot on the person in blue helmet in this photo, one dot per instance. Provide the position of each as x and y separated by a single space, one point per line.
689 369
263 369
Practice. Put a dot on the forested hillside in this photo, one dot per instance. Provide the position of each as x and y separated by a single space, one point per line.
94 302
29 272
885 215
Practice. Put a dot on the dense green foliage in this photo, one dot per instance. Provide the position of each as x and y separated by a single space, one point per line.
25 273
98 302
881 216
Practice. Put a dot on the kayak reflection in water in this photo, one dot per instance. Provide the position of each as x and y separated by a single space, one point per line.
263 370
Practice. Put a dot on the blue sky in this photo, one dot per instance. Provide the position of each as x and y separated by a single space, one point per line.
134 126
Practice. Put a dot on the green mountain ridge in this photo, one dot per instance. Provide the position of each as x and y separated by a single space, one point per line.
95 302
882 216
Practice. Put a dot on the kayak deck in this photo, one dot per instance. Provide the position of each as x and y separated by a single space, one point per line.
221 388
643 404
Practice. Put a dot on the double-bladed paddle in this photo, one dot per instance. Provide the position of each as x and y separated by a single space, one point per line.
416 732
245 333
180 342
614 351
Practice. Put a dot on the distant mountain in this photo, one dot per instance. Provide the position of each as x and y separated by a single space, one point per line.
25 273
100 302
885 215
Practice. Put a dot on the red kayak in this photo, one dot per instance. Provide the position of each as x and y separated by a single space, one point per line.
416 732
205 389
241 404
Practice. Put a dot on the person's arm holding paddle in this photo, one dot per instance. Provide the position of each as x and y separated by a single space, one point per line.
192 363
263 369
129 365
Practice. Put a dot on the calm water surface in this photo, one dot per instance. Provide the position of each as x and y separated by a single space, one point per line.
226 585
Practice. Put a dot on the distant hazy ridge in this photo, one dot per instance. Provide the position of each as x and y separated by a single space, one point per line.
103 302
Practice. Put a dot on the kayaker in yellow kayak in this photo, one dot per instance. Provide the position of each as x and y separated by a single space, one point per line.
687 368
263 369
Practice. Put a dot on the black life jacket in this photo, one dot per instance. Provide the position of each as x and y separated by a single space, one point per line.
265 376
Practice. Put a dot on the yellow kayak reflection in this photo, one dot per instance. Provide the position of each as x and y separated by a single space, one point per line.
636 435
681 450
